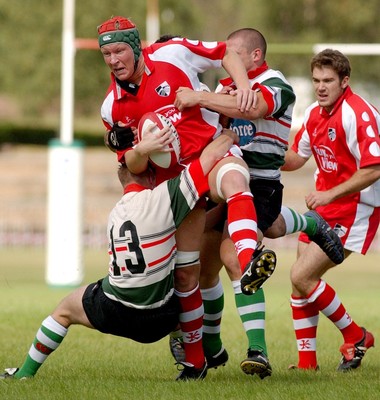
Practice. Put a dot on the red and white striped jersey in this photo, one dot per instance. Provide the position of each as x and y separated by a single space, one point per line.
342 141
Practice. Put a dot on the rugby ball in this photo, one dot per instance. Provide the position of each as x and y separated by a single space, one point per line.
162 159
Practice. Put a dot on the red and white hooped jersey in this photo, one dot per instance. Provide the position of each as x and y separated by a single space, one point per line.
342 141
169 65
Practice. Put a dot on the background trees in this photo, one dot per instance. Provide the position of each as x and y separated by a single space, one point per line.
30 45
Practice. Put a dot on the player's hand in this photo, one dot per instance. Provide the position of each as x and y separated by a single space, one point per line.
186 97
155 140
230 133
246 98
226 90
120 137
317 198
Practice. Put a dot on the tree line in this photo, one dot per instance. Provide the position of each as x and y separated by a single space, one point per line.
31 42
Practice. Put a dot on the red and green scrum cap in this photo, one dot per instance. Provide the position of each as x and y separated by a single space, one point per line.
120 29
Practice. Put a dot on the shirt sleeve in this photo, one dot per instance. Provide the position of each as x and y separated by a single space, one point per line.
362 123
199 178
301 144
277 94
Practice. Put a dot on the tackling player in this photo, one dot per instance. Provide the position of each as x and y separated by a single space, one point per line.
137 299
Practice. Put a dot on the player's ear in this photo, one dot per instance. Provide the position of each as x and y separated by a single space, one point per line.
345 81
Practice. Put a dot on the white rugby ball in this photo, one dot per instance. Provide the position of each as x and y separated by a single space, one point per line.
163 159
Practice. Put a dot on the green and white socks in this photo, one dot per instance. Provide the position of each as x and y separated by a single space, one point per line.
251 310
48 338
213 303
296 222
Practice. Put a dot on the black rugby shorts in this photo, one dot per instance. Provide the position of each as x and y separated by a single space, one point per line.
112 317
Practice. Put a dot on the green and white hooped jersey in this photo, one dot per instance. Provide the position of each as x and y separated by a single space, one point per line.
141 234
265 141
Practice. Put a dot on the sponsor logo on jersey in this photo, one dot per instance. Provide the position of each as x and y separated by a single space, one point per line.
325 159
170 112
332 134
244 129
163 89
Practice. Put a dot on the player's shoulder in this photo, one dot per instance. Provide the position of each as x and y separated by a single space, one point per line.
353 99
313 107
276 79
274 74
359 105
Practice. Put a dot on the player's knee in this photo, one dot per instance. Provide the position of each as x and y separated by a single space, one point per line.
230 179
186 273
299 281
186 279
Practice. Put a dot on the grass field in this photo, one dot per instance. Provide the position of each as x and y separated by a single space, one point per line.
89 365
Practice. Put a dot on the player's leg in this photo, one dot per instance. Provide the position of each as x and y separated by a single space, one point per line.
267 200
213 298
305 322
51 333
186 283
308 287
311 223
213 303
251 310
229 180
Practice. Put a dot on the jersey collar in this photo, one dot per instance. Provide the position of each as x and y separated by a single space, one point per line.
347 92
134 187
121 89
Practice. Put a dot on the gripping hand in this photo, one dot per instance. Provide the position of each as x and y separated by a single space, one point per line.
119 138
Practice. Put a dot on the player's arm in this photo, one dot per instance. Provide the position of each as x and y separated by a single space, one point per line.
361 179
235 68
198 170
293 161
137 158
214 151
222 103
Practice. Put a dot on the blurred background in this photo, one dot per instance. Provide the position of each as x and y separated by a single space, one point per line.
30 70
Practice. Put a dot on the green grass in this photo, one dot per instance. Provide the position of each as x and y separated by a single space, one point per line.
90 365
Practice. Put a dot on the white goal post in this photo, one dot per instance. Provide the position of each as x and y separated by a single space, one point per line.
64 259
357 49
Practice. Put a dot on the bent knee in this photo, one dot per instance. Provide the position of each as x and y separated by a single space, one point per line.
228 177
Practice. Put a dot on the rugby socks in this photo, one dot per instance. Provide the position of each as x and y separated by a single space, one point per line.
296 222
191 321
251 310
213 303
327 301
242 226
48 338
305 323
305 320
